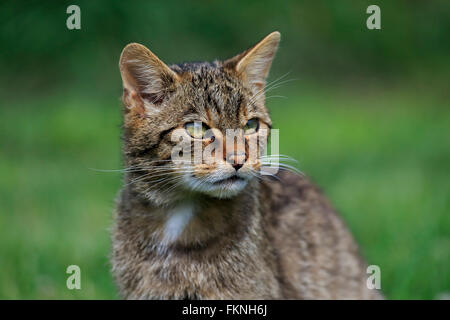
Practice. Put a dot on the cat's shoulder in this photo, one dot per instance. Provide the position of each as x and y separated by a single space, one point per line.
293 202
287 189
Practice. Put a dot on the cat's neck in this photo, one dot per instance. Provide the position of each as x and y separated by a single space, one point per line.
195 222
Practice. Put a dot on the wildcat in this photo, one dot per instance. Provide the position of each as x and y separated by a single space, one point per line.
217 229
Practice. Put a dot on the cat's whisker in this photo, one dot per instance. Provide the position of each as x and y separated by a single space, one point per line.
261 175
140 178
265 169
270 97
273 163
274 82
277 159
176 184
269 88
165 177
252 98
140 168
160 168
162 184
159 174
165 182
278 156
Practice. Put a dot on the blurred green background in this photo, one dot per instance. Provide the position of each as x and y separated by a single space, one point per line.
367 116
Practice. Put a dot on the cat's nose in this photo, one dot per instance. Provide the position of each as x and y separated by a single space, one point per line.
237 166
236 160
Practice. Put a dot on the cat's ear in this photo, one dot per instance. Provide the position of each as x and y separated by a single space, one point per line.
253 65
146 79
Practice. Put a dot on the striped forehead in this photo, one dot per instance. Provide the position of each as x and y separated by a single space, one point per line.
216 94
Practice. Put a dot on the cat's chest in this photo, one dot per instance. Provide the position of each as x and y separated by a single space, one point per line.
189 226
176 221
187 253
228 276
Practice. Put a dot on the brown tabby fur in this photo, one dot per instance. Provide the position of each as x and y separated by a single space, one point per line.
276 239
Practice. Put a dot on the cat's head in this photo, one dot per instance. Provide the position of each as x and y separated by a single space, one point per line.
190 107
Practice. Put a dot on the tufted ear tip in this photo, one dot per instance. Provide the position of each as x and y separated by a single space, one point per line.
129 51
276 36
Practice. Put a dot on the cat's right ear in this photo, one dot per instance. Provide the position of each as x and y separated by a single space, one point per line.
146 79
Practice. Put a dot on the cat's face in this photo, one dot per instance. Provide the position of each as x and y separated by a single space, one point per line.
195 127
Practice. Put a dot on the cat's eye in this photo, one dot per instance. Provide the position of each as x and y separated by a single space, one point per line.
251 126
196 129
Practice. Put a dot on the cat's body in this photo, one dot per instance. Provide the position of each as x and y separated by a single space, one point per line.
217 230
282 242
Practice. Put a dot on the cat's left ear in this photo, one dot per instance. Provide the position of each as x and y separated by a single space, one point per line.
253 65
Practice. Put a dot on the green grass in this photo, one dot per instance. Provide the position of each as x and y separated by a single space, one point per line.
383 158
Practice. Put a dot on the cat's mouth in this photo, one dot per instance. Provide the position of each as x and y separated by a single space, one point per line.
229 180
223 188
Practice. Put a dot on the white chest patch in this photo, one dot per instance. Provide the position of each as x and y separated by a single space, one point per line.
178 219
